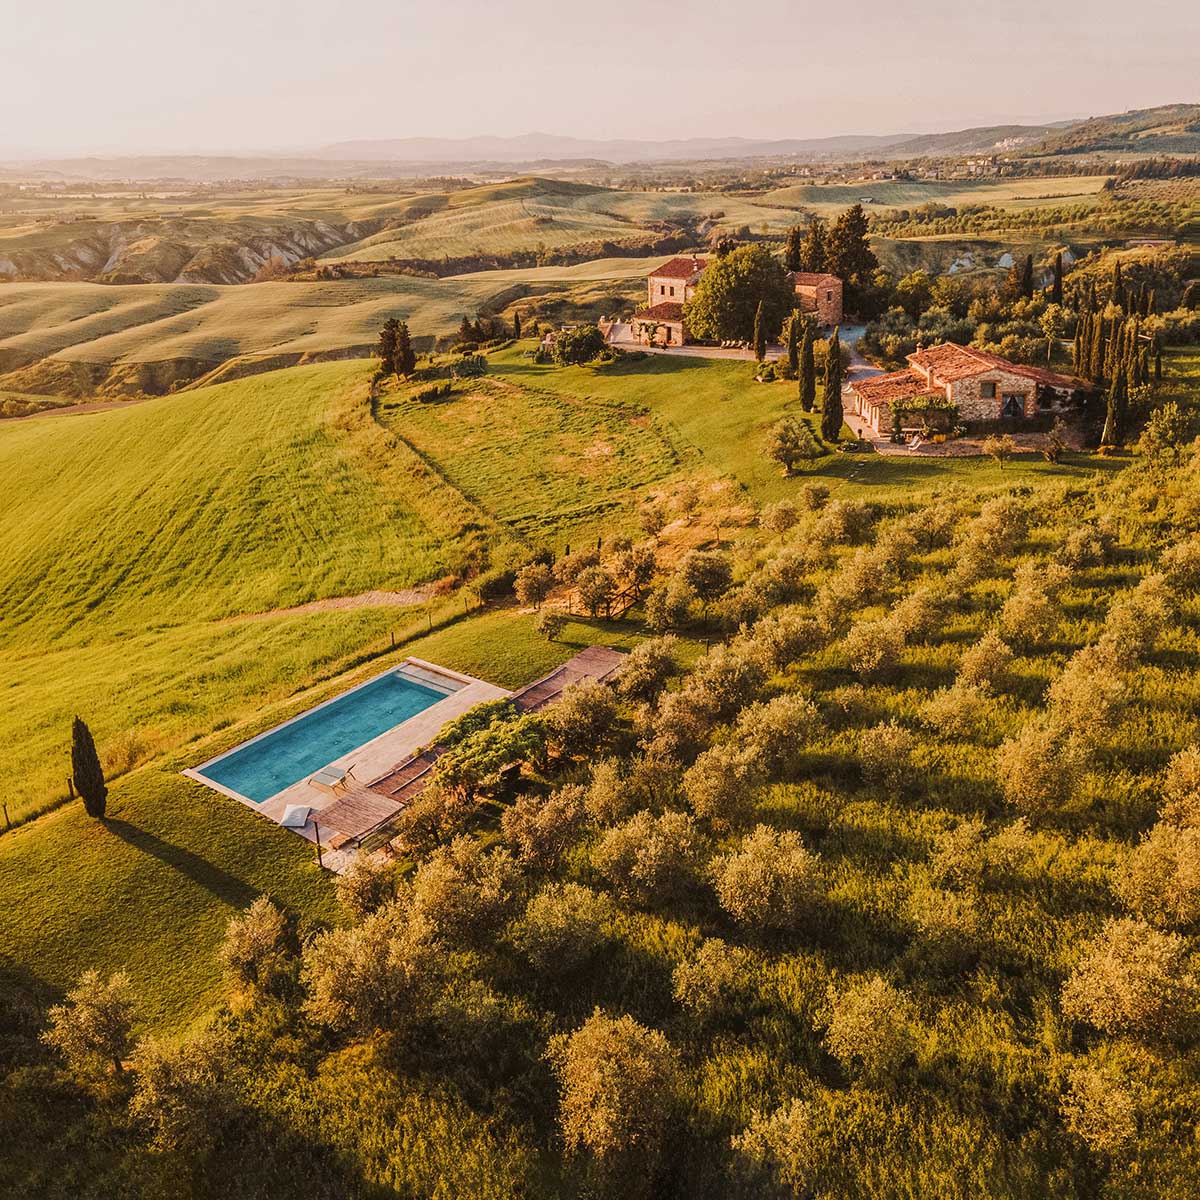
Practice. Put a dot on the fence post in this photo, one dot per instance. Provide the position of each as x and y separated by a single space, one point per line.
317 831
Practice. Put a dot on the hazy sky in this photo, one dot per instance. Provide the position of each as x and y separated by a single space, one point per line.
105 75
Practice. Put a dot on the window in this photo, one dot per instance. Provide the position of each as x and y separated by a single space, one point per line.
672 291
662 289
829 297
987 391
1014 404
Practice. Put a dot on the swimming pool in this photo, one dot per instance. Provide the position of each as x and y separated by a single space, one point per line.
293 751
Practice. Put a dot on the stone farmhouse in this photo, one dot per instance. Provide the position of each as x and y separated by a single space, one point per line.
671 285
981 387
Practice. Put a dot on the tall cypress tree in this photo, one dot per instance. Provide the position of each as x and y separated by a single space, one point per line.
808 369
387 346
760 334
1114 420
1118 285
1027 277
404 360
793 343
1096 358
517 326
1056 288
1077 346
86 772
831 406
793 254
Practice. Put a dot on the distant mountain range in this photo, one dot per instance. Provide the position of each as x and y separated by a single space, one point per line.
1169 129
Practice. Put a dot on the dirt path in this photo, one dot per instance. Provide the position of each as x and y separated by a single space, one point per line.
377 599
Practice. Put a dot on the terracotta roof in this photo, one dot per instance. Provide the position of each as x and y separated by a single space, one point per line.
950 362
667 311
813 279
679 268
883 389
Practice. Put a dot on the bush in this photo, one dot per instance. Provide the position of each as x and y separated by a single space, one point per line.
885 754
583 717
366 885
464 892
777 731
1085 546
1160 880
1132 979
581 345
1181 789
770 880
985 664
541 830
1039 770
563 927
533 584
650 857
550 625
959 711
1100 1108
873 648
93 1030
871 1030
647 668
253 952
722 784
710 981
617 1085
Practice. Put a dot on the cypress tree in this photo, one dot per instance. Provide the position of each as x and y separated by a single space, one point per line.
1027 277
793 254
1158 372
1118 285
793 343
812 251
517 326
1114 420
1096 357
1056 288
387 346
760 334
808 370
404 360
465 332
86 771
831 406
1077 346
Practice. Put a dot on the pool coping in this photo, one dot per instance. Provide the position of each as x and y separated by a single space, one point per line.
461 681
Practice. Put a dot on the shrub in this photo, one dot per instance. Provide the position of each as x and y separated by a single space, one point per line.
769 880
366 976
367 884
669 605
533 584
609 798
583 717
958 860
710 981
784 635
564 926
722 784
1137 619
1100 1108
581 345
778 518
253 953
1181 789
1039 770
93 1030
597 590
873 648
433 817
1181 564
1131 979
885 754
550 625
843 523
1085 546
647 668
617 1085
777 731
1085 701
723 681
180 1090
871 1030
648 857
959 711
465 892
1160 880
788 1143
918 615
541 830
985 664
1028 616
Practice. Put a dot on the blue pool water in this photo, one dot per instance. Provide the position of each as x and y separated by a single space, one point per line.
292 752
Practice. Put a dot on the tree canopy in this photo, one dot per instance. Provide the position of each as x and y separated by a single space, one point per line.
729 294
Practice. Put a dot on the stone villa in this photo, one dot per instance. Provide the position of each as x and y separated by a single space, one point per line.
671 285
980 386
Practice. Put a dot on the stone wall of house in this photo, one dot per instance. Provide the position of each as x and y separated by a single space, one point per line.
666 333
824 300
665 289
967 395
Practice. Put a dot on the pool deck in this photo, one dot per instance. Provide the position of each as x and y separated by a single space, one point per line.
377 756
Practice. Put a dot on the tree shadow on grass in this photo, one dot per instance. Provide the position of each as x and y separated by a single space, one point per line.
199 870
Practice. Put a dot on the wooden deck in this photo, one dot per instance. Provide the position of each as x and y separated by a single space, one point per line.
357 812
596 662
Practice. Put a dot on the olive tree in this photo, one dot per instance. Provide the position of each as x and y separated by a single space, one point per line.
769 880
722 784
367 884
710 980
564 925
648 856
872 1028
540 830
618 1084
93 1030
254 951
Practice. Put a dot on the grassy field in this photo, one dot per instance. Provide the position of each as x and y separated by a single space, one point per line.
134 539
150 890
830 199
